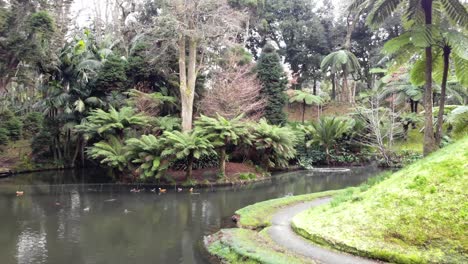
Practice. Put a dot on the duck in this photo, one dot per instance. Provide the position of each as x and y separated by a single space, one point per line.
19 193
86 209
153 190
134 190
162 190
57 203
127 211
191 190
179 189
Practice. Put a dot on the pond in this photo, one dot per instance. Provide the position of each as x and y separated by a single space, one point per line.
77 217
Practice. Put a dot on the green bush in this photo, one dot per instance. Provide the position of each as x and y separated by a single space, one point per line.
274 145
12 124
32 124
3 137
247 176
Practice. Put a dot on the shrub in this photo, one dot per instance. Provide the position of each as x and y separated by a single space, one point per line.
247 176
3 137
274 144
12 124
32 124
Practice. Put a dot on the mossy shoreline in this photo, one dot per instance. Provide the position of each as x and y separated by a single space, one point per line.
250 243
417 215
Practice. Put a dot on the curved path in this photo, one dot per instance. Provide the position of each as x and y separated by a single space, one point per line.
281 232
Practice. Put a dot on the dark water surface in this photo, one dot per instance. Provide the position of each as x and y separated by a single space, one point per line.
49 224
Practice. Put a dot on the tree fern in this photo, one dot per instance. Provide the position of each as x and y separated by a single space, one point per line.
275 144
222 133
190 145
146 153
456 12
112 153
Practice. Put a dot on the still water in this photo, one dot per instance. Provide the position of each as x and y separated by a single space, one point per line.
75 217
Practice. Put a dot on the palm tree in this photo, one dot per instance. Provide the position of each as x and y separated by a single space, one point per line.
275 144
344 62
190 145
326 131
306 99
223 132
418 12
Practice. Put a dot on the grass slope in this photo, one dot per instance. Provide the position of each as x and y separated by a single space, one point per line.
239 245
417 215
259 215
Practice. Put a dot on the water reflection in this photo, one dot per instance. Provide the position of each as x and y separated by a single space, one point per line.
49 224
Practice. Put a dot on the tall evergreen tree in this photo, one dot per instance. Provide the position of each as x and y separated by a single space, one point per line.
271 75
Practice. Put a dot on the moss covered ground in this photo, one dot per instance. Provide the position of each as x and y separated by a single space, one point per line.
238 245
244 245
259 215
417 215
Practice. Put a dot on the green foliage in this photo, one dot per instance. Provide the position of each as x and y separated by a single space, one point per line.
395 220
11 124
41 145
306 98
326 131
167 123
111 152
205 161
223 133
3 137
458 120
42 22
274 144
191 145
337 61
32 123
112 75
247 176
112 122
271 74
146 153
183 144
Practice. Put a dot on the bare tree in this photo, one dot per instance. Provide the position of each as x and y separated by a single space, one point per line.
234 90
197 28
381 125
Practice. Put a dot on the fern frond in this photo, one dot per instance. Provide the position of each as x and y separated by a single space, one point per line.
382 10
456 12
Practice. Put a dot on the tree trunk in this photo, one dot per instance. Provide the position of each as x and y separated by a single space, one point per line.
314 92
303 111
222 162
345 85
188 174
429 140
188 91
333 87
327 151
440 116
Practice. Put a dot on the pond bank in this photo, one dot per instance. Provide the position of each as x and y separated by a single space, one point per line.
417 215
265 236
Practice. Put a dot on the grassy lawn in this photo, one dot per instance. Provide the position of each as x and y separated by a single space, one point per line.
418 215
259 215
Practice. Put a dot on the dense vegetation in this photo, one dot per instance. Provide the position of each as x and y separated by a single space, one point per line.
158 89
